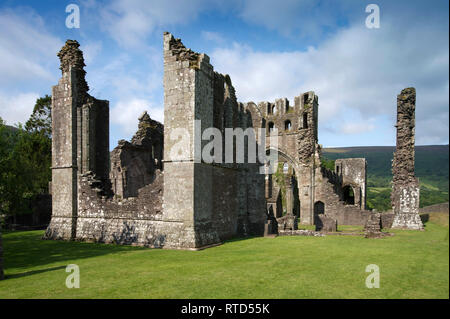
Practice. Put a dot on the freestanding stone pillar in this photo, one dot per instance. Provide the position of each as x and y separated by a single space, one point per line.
405 186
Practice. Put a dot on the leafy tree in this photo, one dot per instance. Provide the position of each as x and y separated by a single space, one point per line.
25 159
41 118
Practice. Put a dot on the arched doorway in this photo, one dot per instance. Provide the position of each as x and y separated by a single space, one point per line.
319 208
282 180
348 195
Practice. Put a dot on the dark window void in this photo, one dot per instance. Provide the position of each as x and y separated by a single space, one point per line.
269 108
271 126
337 169
305 98
287 125
349 195
319 208
305 120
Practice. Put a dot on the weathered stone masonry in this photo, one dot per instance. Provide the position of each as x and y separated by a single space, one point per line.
212 201
405 186
315 189
157 190
203 203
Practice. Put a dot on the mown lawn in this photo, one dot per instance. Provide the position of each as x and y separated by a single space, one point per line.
412 265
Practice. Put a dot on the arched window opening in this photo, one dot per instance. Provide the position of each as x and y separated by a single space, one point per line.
274 110
285 168
287 125
349 195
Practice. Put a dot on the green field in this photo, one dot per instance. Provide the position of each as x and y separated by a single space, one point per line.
412 264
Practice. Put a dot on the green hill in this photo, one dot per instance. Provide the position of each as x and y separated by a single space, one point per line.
431 168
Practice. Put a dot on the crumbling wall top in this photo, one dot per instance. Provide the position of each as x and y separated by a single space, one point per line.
181 53
71 57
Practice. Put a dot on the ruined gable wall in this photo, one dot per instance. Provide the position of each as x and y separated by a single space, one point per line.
299 146
298 143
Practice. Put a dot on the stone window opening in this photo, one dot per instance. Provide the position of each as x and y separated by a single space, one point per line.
287 125
274 110
349 195
271 127
287 107
305 120
319 208
305 98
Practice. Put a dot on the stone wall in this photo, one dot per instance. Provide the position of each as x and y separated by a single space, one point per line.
211 200
297 145
436 208
387 219
353 173
204 202
405 186
133 163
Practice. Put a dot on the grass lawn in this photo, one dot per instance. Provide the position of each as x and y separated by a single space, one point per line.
412 264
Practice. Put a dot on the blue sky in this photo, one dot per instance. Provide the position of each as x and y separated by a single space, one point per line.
271 49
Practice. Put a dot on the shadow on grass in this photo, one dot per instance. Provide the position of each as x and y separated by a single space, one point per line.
33 272
27 249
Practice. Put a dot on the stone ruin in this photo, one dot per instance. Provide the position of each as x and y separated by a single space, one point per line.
144 192
405 186
302 187
150 191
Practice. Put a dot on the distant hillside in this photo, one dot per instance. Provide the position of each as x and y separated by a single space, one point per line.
432 169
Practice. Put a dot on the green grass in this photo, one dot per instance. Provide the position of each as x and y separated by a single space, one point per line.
413 264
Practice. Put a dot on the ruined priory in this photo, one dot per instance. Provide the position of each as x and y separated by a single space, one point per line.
144 192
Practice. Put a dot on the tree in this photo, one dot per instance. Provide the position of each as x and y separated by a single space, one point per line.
25 159
41 118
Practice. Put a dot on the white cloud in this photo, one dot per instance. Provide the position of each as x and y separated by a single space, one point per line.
356 128
17 108
28 62
306 18
125 113
27 50
130 22
213 36
90 51
358 70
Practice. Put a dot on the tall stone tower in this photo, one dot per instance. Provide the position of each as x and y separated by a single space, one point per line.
204 202
405 186
80 143
308 154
